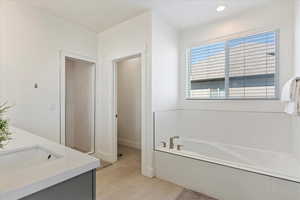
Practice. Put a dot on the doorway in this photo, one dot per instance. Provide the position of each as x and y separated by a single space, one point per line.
78 104
128 106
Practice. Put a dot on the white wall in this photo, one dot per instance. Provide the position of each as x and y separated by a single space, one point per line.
79 104
276 15
297 36
126 39
296 119
146 33
129 102
1 50
165 50
31 43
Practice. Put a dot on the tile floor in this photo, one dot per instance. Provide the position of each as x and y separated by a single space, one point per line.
123 181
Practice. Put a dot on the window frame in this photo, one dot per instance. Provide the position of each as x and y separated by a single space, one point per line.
227 40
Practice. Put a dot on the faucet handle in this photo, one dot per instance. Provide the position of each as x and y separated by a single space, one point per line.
179 147
164 144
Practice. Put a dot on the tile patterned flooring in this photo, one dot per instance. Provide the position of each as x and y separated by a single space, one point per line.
123 181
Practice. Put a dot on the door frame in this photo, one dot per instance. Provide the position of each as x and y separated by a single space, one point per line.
143 104
62 83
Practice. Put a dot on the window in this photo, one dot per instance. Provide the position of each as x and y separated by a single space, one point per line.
242 68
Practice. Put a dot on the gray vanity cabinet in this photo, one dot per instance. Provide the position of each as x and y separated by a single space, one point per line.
82 187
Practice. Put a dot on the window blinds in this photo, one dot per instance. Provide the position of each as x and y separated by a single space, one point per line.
207 71
239 68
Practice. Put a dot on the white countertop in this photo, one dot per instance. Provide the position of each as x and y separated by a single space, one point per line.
31 180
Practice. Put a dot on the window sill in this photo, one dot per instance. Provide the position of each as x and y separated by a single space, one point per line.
233 99
240 105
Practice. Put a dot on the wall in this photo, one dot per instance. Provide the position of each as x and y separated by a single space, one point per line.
79 108
128 38
296 119
129 102
165 50
278 15
297 36
1 50
32 40
150 35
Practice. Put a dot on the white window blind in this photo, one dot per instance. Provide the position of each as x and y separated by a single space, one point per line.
236 69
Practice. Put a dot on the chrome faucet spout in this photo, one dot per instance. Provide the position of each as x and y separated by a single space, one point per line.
172 141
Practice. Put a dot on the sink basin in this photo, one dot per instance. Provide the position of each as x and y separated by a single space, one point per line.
25 158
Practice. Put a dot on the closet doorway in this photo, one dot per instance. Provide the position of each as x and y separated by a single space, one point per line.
78 103
128 107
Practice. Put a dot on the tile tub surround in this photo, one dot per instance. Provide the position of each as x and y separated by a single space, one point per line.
27 181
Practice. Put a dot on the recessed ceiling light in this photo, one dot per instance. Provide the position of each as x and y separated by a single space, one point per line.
221 8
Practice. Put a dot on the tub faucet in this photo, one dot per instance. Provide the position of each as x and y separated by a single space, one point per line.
172 141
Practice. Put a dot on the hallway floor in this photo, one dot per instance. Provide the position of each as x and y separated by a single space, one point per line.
123 181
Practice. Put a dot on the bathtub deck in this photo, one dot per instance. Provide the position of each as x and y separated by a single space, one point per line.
274 164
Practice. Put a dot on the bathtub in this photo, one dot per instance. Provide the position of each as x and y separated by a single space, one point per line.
230 172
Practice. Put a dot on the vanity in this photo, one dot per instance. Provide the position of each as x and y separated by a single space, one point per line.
33 168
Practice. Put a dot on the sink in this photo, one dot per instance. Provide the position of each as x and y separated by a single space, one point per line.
25 158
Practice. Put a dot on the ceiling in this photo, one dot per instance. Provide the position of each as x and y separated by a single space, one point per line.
99 15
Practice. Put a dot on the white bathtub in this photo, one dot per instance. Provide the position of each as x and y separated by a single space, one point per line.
229 172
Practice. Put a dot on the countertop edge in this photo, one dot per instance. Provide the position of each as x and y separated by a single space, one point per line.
44 184
52 180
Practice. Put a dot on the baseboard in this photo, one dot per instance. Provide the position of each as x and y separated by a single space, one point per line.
129 143
105 156
148 171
